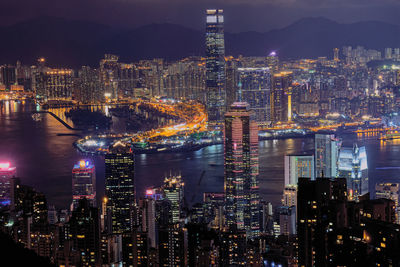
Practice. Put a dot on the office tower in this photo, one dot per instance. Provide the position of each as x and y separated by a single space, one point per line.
280 100
273 62
6 173
54 84
336 54
148 223
174 191
353 166
255 88
215 65
87 88
84 232
241 170
83 183
109 76
326 155
389 191
321 207
120 189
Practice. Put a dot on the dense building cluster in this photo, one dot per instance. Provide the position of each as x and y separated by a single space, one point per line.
327 216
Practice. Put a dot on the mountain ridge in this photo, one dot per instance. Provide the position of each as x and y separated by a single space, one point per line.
73 43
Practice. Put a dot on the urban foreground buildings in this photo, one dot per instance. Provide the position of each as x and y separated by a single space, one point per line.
326 217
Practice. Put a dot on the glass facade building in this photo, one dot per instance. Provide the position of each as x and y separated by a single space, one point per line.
353 166
215 65
241 170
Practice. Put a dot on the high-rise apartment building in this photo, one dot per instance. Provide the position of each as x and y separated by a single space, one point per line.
83 183
241 170
174 191
255 88
215 65
120 189
54 84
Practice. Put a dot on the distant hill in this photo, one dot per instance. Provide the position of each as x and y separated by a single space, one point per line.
74 43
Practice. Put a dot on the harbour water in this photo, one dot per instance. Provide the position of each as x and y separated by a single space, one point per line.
44 159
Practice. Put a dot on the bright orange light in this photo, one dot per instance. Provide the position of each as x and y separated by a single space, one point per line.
82 164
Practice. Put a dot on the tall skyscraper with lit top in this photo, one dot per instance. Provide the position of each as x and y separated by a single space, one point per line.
6 173
120 189
173 190
83 183
215 65
241 170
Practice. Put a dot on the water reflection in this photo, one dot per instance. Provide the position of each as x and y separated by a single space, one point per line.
44 160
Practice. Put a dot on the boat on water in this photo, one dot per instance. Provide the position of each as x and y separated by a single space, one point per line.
36 117
387 137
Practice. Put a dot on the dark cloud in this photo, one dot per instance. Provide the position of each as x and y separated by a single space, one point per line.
241 15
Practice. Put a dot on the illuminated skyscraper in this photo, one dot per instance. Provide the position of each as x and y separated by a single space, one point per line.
241 170
255 89
173 190
120 189
215 64
83 183
281 97
6 173
326 155
353 166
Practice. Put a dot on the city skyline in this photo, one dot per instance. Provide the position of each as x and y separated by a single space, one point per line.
207 156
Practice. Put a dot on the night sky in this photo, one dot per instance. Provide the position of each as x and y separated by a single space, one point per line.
241 15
